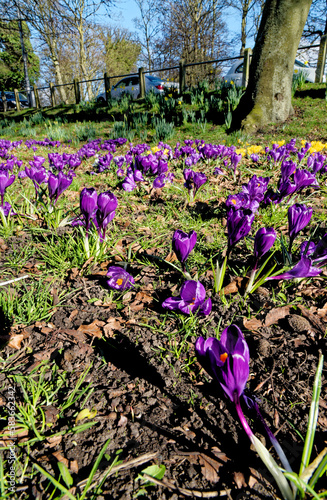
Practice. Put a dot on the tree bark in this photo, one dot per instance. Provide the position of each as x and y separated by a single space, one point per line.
269 92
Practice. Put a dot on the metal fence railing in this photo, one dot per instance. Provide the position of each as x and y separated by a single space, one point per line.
77 91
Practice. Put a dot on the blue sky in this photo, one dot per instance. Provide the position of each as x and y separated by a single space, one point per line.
126 10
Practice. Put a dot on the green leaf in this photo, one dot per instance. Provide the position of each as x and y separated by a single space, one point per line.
65 474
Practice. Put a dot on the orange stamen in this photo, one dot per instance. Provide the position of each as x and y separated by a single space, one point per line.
119 282
223 357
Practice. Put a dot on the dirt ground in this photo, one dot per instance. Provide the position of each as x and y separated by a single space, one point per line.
154 405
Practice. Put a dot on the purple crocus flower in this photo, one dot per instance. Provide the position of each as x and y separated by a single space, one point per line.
239 224
57 184
88 205
183 244
234 160
227 360
129 183
5 181
298 217
159 182
107 204
303 269
307 248
38 175
263 241
192 299
287 169
320 252
119 279
193 181
304 178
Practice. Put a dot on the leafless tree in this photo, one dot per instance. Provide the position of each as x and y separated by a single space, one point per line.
192 30
250 12
148 28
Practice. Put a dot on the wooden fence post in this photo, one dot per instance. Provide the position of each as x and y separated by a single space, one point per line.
182 74
246 67
4 101
142 83
321 59
107 87
37 98
77 91
17 99
52 94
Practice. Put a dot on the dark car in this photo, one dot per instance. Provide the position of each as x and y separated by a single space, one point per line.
11 101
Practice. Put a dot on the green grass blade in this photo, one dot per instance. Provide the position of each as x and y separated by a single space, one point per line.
313 417
54 482
94 469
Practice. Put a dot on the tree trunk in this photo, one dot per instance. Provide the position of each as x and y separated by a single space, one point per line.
269 92
52 44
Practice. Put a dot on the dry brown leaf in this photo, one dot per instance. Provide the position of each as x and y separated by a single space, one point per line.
8 436
232 287
171 257
73 314
209 468
93 329
136 306
16 340
73 466
54 441
239 480
312 318
127 297
252 324
111 325
60 458
55 296
276 314
87 262
144 297
219 454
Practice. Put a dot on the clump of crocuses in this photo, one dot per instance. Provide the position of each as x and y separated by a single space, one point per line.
96 210
193 182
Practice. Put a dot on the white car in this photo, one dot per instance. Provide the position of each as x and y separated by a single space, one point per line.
131 85
235 73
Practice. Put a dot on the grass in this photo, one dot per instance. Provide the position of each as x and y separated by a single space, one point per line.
48 251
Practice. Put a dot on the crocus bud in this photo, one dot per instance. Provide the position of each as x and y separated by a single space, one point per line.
88 204
239 224
183 244
298 217
263 241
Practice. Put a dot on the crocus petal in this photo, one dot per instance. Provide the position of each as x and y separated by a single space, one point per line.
303 269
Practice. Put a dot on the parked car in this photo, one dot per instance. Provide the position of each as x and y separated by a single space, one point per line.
11 101
131 85
235 73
